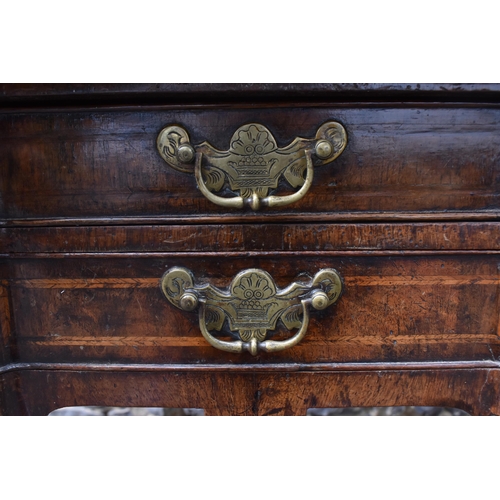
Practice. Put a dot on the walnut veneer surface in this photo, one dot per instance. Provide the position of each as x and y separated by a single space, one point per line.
92 217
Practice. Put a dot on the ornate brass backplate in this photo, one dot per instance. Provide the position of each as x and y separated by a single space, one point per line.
254 164
252 306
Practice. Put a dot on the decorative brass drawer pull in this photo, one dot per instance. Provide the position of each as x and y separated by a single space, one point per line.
252 306
254 164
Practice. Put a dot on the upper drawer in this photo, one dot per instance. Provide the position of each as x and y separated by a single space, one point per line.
424 161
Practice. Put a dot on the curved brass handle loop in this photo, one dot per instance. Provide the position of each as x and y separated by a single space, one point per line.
235 202
254 202
252 306
254 165
254 345
281 201
275 346
237 346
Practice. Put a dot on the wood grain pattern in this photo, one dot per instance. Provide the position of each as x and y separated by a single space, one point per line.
91 163
394 308
474 390
5 320
137 283
254 237
325 218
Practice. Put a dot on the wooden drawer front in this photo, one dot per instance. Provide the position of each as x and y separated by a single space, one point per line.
394 308
399 161
224 238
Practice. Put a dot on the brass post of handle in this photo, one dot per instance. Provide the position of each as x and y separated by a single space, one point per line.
252 306
253 165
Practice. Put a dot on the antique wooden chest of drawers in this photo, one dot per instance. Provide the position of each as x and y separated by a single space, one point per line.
249 249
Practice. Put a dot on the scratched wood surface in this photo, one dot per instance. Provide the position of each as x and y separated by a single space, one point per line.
254 393
403 236
95 163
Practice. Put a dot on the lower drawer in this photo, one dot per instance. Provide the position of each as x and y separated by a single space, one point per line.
110 309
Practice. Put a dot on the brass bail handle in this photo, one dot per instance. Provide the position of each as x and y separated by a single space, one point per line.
252 306
253 165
